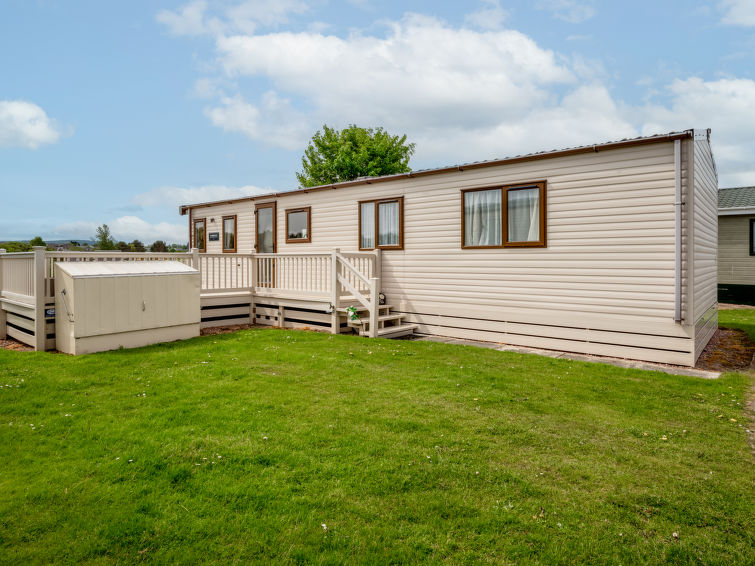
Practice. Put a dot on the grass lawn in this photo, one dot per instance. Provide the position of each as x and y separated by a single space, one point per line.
741 319
298 447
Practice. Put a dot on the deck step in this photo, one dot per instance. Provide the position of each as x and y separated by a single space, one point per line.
381 318
361 308
396 331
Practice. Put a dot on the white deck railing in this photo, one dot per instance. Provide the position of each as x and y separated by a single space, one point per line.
29 277
17 273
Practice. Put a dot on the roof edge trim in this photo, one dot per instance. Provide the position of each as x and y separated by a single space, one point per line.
594 148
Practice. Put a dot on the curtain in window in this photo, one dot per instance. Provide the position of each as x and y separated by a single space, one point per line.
388 224
482 218
229 233
367 229
523 207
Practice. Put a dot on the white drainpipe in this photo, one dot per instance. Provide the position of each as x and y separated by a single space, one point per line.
678 231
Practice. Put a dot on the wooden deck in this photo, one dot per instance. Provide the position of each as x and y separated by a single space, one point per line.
287 290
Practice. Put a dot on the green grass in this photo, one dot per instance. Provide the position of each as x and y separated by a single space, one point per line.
238 448
741 319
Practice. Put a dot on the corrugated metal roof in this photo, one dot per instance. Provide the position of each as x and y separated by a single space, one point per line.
472 165
736 197
123 268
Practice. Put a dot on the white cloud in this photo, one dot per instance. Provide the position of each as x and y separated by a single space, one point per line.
738 12
24 124
176 196
571 11
274 121
460 93
188 20
125 228
129 227
250 14
725 106
489 16
584 116
199 18
206 88
423 74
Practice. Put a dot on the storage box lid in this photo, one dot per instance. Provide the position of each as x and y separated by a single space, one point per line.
78 269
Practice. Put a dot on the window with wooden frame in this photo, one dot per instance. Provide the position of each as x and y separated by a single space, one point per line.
512 216
381 224
298 225
752 236
266 228
200 234
229 234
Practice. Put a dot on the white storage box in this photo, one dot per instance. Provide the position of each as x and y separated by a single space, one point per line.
106 305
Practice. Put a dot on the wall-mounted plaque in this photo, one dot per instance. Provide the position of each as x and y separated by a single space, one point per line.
214 236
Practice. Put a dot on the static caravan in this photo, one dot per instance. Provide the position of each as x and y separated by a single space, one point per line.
736 245
607 249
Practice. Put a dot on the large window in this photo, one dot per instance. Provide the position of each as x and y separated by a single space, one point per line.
229 234
200 234
381 224
298 225
510 217
752 236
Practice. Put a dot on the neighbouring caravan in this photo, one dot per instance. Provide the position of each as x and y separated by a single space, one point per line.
607 249
736 245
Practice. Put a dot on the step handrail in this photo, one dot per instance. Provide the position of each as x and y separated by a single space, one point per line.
343 261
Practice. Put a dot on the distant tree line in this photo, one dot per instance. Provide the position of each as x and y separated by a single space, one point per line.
103 241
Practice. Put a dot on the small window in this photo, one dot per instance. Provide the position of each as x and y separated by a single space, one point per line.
298 225
752 236
482 218
200 234
381 224
229 234
511 216
523 211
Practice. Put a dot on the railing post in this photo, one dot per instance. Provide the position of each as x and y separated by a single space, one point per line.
334 294
252 287
194 258
374 306
378 271
40 330
3 316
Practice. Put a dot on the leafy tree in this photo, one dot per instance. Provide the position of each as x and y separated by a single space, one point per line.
334 155
12 247
137 246
37 241
103 239
123 246
158 246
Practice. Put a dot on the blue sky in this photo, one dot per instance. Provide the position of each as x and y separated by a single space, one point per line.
117 112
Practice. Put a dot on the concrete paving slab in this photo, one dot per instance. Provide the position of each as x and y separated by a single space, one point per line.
618 362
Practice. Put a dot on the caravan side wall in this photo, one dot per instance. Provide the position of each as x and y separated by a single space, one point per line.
604 285
705 244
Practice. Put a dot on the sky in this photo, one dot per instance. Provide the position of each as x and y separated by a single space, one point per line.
118 112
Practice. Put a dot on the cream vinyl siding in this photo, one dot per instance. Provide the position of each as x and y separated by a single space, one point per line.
605 284
705 299
244 212
735 264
